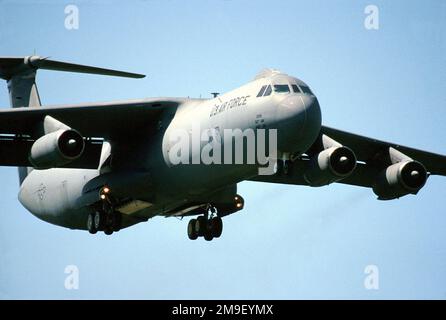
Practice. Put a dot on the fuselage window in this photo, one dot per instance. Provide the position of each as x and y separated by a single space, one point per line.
268 91
306 90
295 88
262 90
281 88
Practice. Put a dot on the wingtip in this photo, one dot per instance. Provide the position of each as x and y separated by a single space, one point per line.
132 75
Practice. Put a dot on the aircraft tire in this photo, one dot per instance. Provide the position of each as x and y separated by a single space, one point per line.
208 235
216 226
90 224
99 221
108 231
191 232
200 226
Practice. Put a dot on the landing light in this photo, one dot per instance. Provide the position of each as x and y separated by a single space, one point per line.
238 202
104 192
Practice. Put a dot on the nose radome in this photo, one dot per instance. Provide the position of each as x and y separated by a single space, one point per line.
313 113
313 120
290 122
299 118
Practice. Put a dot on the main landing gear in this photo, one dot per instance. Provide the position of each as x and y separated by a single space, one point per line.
105 218
209 226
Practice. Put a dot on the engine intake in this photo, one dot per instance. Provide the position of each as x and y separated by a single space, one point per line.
330 165
400 179
56 149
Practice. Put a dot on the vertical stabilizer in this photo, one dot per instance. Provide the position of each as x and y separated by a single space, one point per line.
23 90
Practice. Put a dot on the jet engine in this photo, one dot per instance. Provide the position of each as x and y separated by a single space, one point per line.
400 179
330 165
56 149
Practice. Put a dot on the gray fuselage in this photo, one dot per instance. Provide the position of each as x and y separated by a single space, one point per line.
57 195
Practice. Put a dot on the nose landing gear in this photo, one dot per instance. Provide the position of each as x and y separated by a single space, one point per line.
209 226
284 165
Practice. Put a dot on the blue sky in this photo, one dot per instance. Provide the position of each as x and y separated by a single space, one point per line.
289 242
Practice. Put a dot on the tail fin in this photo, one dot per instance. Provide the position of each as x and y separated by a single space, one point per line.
20 74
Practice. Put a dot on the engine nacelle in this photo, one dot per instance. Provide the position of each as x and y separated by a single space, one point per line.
400 179
330 165
56 149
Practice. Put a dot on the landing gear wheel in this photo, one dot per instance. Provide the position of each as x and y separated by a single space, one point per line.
200 226
216 226
208 235
108 231
209 225
99 221
90 224
191 233
110 221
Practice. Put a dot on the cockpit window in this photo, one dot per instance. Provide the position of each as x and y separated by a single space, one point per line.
295 88
268 91
305 89
262 90
281 88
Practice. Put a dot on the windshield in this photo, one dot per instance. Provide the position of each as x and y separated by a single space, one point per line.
305 89
281 88
295 88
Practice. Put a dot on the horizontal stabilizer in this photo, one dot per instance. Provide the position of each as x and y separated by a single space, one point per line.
10 66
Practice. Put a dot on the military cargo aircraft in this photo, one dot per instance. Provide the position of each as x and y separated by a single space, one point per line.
107 166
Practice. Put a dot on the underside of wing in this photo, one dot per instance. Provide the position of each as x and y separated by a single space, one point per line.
389 169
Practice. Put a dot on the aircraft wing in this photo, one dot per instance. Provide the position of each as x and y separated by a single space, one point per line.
371 154
108 120
367 148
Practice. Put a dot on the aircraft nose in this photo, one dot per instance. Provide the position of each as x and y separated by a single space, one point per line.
313 119
300 119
